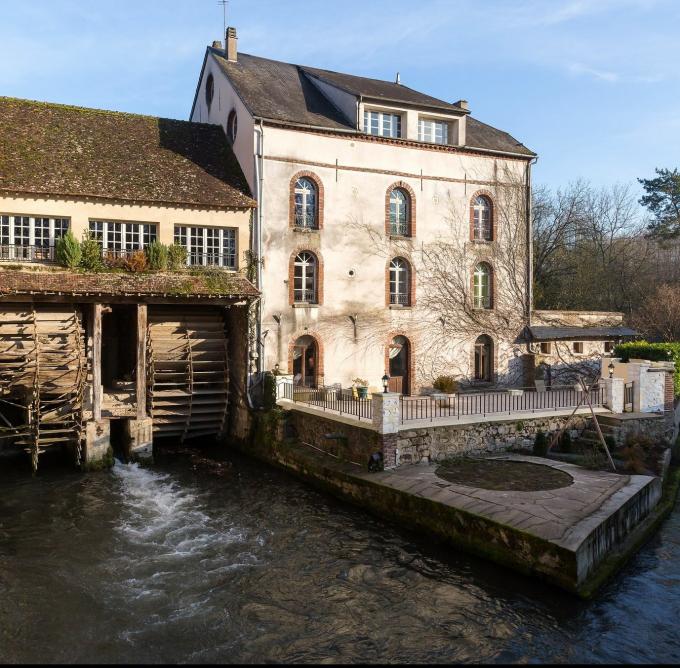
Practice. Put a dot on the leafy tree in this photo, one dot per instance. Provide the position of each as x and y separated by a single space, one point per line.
91 258
663 201
67 251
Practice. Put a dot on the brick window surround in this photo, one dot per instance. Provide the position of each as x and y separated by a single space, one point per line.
492 219
401 185
319 349
319 275
411 359
492 284
319 198
412 281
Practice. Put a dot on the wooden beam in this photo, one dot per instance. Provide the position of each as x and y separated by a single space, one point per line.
96 362
141 360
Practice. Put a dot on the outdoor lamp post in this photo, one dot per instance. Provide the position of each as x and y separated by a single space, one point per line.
611 369
386 383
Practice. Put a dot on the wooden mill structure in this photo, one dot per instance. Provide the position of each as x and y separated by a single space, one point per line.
78 370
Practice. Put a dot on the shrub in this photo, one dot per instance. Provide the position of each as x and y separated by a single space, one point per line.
68 251
177 257
269 391
360 382
540 444
91 254
565 441
113 261
446 384
596 460
655 352
136 262
157 256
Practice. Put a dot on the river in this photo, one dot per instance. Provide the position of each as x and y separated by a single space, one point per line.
178 565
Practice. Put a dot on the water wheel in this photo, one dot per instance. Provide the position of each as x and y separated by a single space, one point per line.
188 372
43 369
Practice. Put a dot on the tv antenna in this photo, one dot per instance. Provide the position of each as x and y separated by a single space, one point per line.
224 4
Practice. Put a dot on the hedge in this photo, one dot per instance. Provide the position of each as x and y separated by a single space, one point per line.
654 352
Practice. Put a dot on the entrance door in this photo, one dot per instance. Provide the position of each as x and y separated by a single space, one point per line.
400 363
484 359
305 362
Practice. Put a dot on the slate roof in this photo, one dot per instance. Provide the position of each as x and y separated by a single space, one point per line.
283 92
578 333
53 149
178 286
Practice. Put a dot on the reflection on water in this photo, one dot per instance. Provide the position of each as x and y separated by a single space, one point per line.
174 566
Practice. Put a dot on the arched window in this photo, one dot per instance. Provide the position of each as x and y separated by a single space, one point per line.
400 213
305 288
232 126
482 222
481 286
209 90
306 198
400 282
484 359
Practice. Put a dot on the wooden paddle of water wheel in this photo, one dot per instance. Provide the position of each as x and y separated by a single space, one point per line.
43 369
188 372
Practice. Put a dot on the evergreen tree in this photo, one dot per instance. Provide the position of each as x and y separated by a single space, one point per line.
663 201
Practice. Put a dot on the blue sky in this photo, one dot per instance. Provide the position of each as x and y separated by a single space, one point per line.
592 85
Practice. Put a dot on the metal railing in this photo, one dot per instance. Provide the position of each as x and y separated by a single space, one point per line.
304 296
399 298
399 229
328 399
305 221
495 403
19 253
200 259
481 302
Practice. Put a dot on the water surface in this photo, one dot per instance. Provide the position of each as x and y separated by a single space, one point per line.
175 565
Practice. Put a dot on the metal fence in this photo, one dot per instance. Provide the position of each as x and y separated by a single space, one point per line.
19 253
628 397
495 403
330 399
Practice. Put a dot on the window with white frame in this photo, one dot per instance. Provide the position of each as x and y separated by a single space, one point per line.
208 246
382 124
482 223
305 204
400 213
400 282
30 238
546 348
305 278
481 284
434 132
117 237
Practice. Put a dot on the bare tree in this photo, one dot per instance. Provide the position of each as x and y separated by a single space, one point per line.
658 317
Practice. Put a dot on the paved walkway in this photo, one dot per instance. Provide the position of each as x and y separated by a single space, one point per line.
563 516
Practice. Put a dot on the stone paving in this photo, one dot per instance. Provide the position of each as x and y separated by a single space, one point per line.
563 516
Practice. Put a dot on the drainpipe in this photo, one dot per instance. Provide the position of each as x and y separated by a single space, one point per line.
530 243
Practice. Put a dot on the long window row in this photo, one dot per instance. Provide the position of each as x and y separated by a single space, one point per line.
307 282
386 124
307 209
33 239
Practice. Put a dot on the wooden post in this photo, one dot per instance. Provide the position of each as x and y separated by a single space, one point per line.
97 362
141 360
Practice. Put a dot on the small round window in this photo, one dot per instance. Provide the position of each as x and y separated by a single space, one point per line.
232 126
209 90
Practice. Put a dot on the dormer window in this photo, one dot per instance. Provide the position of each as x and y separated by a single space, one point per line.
382 124
433 132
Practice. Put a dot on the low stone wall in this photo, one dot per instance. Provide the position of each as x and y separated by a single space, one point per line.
437 442
357 444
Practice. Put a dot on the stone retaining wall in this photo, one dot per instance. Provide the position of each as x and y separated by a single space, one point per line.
437 442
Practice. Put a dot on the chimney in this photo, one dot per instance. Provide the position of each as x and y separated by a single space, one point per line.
398 80
231 45
463 104
217 44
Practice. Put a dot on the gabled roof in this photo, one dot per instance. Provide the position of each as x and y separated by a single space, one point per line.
283 92
58 150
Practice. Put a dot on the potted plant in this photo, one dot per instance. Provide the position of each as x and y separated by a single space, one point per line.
445 388
362 387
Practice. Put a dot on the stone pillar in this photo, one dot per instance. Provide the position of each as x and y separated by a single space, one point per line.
97 453
386 421
139 439
614 394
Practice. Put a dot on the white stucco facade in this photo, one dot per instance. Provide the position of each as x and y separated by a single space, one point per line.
353 323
